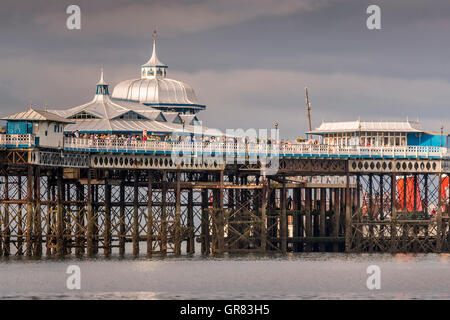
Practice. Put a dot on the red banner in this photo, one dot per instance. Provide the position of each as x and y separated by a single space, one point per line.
409 195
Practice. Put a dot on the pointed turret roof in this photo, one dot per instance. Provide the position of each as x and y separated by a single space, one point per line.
102 80
154 61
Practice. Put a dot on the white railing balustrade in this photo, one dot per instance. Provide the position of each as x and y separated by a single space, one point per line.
242 149
17 140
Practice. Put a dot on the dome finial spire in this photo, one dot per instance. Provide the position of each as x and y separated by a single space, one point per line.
153 56
102 86
154 67
102 81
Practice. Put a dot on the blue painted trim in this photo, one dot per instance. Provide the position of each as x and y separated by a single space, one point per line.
175 105
234 154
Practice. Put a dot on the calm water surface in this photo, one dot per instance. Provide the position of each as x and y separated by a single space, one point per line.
296 276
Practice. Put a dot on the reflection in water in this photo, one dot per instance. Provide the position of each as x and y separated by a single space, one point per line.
295 276
444 257
404 257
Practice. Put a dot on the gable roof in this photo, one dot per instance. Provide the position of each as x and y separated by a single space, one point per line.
172 117
37 115
189 118
130 112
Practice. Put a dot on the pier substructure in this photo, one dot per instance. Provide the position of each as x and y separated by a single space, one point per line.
128 206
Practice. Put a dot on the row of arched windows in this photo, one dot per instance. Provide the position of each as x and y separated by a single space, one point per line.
152 72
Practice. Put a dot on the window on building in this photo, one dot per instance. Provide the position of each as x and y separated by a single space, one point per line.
83 115
131 116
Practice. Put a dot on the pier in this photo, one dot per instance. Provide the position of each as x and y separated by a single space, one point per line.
131 173
89 200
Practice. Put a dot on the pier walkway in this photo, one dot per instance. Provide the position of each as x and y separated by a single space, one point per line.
233 149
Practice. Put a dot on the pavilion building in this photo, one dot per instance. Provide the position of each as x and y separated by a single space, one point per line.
378 134
152 103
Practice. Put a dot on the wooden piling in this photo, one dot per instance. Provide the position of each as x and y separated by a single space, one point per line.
295 219
90 218
135 238
308 209
337 217
283 218
6 221
122 225
221 216
49 216
149 214
96 216
164 223
316 217
20 227
80 226
264 215
190 244
205 242
60 216
323 203
37 234
299 213
348 216
29 216
107 249
67 210
177 223
439 228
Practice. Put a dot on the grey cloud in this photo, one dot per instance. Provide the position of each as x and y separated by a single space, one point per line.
139 18
257 98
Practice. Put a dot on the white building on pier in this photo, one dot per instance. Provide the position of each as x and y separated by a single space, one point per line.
153 104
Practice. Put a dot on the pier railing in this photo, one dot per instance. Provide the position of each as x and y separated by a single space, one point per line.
252 149
17 140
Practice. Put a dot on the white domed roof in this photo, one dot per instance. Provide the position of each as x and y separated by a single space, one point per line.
156 91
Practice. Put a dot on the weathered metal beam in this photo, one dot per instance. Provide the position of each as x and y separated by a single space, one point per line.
107 221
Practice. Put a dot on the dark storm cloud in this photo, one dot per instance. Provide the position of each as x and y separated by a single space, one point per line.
248 60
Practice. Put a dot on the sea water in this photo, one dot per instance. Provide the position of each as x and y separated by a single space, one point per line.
294 276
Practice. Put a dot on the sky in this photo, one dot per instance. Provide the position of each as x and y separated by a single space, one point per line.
248 60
